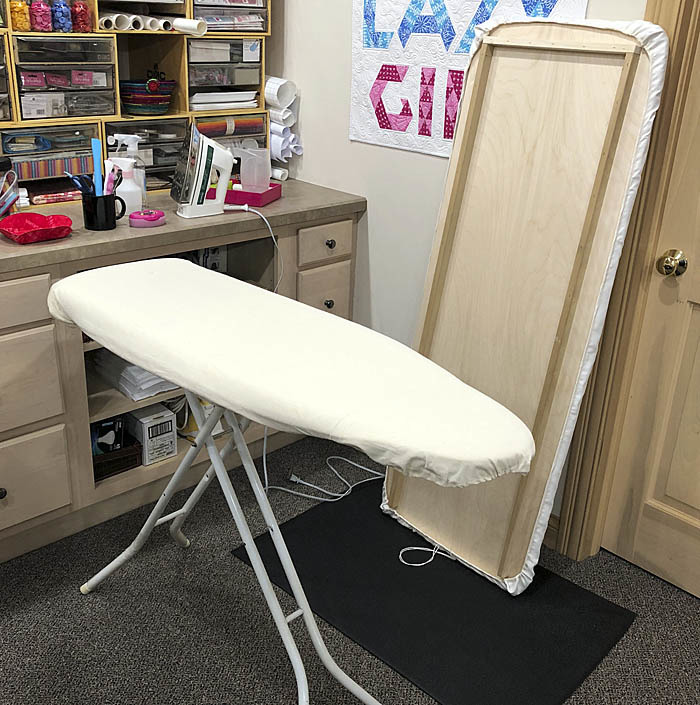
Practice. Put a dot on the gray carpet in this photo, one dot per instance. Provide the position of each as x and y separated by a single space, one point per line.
189 627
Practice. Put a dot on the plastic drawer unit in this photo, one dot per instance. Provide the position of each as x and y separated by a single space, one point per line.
48 152
159 146
63 77
249 16
5 102
224 74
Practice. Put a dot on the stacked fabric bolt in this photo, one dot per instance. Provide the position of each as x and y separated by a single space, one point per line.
281 98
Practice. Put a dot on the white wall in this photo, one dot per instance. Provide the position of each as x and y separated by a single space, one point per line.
311 45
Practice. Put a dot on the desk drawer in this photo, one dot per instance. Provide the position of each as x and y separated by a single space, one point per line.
30 389
33 475
325 242
327 288
24 300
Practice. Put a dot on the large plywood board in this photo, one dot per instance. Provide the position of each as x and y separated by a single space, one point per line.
548 136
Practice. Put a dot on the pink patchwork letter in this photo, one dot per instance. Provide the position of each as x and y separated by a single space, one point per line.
455 83
390 73
425 107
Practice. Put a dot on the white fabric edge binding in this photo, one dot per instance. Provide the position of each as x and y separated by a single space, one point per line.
654 42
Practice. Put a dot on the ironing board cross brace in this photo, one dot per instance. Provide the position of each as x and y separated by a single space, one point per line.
217 469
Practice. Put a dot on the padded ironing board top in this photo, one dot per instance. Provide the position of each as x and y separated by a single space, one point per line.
295 368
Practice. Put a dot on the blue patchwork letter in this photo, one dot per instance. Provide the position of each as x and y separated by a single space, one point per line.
373 39
482 14
539 8
437 23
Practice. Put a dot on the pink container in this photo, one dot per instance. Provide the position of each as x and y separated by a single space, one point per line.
254 200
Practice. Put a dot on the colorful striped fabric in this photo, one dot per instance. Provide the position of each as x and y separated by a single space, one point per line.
56 166
247 125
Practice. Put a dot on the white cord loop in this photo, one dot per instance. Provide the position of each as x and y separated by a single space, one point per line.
434 551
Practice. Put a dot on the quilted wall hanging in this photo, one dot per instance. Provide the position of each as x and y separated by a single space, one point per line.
409 58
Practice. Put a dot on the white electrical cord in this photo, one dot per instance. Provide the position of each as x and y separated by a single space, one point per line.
248 209
434 551
332 496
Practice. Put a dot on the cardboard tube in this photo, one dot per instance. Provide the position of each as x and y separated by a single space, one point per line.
166 23
198 28
135 22
150 23
114 20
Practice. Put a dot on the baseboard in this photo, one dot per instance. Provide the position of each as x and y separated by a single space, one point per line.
552 533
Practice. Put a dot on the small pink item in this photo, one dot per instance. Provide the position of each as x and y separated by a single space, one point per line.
147 219
25 228
254 200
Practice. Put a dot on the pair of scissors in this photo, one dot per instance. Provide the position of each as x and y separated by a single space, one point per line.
82 182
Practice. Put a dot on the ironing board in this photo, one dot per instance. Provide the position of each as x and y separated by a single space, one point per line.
261 357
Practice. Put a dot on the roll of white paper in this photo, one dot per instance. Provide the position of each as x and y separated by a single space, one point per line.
295 145
165 23
150 23
279 148
198 28
134 22
281 130
279 93
279 174
283 117
114 20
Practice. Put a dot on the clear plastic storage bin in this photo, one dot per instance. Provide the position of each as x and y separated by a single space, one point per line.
47 152
65 77
159 147
224 74
245 16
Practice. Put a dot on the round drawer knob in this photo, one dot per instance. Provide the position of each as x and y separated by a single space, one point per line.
329 303
3 493
330 244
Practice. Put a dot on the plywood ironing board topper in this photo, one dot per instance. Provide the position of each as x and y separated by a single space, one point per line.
551 141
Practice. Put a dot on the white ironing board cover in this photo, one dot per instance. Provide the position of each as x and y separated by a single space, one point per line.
654 42
295 368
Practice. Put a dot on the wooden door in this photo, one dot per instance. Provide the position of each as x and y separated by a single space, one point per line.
653 515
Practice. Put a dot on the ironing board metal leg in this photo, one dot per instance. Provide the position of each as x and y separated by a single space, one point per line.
199 490
189 505
255 559
290 571
158 510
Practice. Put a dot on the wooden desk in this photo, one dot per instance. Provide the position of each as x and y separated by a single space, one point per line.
48 395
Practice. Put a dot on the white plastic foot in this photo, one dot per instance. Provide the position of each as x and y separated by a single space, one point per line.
180 538
85 589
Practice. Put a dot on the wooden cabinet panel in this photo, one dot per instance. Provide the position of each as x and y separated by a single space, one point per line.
30 388
325 242
33 475
24 300
327 288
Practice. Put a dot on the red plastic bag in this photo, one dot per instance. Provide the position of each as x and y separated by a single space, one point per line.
25 228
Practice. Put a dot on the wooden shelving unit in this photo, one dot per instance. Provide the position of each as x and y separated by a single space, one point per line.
105 401
134 53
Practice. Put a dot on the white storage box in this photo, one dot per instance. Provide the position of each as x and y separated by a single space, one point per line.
204 50
154 427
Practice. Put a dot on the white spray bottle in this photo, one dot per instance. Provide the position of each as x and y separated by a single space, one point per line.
133 169
129 189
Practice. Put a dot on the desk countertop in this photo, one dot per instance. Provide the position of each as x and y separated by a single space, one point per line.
300 203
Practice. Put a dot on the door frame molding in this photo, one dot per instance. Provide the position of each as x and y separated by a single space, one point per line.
596 440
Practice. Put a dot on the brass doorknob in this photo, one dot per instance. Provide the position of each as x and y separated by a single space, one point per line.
672 262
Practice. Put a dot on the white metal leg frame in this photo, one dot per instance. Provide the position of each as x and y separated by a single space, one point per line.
218 469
